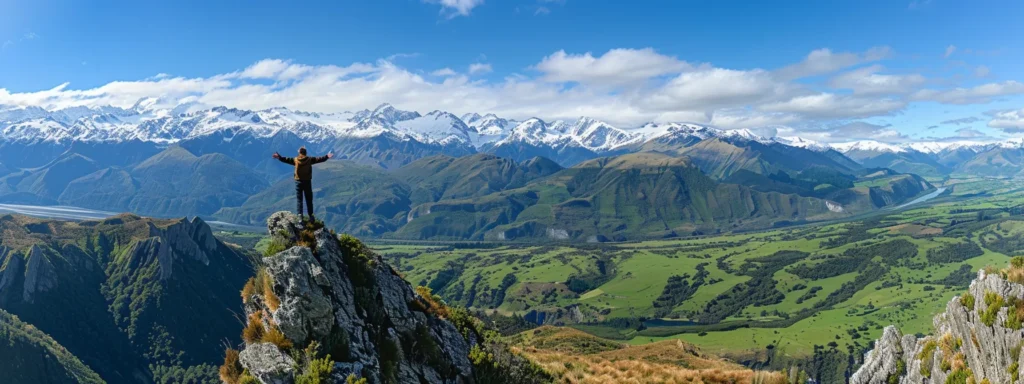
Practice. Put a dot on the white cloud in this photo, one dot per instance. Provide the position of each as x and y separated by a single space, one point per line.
479 68
824 61
1009 121
542 11
453 8
982 71
616 67
714 87
443 72
978 94
949 51
830 105
867 81
625 87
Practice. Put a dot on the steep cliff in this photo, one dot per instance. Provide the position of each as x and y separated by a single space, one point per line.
136 299
976 340
323 308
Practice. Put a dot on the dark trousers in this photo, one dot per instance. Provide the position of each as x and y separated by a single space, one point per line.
304 188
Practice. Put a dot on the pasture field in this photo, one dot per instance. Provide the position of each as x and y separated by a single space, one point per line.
792 290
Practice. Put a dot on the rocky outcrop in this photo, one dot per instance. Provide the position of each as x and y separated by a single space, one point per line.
978 336
356 308
180 240
40 275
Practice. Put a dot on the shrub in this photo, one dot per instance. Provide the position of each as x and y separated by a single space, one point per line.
926 355
352 379
248 378
231 370
318 371
276 246
993 302
967 300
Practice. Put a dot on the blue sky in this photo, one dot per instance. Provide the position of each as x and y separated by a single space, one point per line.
831 70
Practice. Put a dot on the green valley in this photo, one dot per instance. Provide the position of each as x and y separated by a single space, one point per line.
788 293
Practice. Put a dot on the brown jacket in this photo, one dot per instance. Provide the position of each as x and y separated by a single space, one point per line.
303 165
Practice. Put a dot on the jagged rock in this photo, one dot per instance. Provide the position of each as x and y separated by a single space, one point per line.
40 275
10 266
284 223
988 350
358 309
305 310
267 363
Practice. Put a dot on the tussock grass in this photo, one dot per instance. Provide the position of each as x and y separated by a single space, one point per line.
594 369
253 331
231 370
274 336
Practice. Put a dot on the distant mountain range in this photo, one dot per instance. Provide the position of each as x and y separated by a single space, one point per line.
436 175
390 137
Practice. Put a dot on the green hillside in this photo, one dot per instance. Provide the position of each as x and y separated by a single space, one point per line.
721 158
171 183
744 295
31 356
634 196
121 294
444 177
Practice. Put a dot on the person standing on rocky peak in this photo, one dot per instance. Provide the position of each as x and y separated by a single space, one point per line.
303 177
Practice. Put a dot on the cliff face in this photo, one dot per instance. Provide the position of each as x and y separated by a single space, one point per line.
359 315
977 338
136 299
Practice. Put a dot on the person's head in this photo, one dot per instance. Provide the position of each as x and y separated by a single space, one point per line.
302 151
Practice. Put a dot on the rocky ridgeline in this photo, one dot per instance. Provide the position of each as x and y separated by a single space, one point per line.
326 308
976 340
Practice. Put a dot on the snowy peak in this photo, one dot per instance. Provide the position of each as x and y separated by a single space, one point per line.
794 141
388 113
598 136
869 146
436 126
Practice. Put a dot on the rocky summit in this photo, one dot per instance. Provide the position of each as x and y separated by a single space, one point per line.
325 308
976 340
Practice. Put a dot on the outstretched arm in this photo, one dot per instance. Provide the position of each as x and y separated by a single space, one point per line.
323 158
286 160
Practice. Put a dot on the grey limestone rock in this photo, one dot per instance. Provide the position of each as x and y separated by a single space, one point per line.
988 349
358 309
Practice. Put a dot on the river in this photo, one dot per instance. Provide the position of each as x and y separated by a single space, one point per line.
924 198
76 213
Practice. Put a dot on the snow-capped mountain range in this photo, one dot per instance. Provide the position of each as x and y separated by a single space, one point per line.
152 120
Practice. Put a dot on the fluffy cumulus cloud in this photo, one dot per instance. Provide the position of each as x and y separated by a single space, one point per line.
868 81
824 61
625 87
479 68
616 67
856 130
978 94
1011 121
830 105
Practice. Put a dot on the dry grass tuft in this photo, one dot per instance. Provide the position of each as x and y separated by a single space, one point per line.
274 336
594 369
231 370
254 330
666 362
264 284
